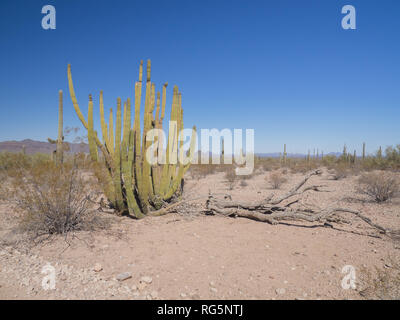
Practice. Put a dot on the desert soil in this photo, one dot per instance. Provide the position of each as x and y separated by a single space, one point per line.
188 255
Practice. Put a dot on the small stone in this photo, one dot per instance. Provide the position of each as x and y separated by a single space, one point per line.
146 279
183 295
280 291
154 294
134 288
97 267
124 276
213 290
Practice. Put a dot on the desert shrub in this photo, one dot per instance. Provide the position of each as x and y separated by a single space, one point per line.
302 166
10 160
231 177
269 164
382 283
380 186
276 179
329 161
198 171
38 158
51 199
341 171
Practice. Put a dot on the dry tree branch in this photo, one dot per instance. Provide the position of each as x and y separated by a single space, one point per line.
273 211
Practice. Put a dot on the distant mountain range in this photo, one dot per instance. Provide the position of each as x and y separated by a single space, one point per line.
293 155
32 146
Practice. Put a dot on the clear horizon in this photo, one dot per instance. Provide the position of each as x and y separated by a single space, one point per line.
287 70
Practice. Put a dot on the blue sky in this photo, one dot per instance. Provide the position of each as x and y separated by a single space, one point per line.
284 68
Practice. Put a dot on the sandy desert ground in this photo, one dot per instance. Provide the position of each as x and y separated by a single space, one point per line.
188 255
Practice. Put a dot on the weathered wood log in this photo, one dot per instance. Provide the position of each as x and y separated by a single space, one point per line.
273 211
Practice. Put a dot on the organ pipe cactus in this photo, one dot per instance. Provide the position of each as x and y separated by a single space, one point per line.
134 185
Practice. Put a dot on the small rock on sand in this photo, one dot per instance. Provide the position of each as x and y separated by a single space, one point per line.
124 276
146 279
97 267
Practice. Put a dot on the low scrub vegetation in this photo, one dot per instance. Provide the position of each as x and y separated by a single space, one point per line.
231 178
276 179
340 172
382 283
51 199
379 186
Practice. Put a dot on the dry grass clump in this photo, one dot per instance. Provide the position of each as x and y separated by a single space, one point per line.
340 172
231 178
10 160
302 166
276 179
380 186
382 283
199 171
51 199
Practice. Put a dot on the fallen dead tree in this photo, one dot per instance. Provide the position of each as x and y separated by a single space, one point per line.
276 210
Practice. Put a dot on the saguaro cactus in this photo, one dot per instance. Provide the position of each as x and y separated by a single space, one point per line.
59 153
133 184
363 151
284 154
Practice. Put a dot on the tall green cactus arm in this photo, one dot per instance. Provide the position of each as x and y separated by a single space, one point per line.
126 163
117 159
59 153
164 98
125 133
138 163
192 148
177 182
165 177
78 110
160 146
177 177
91 133
111 132
158 109
74 100
103 121
136 124
127 122
146 172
